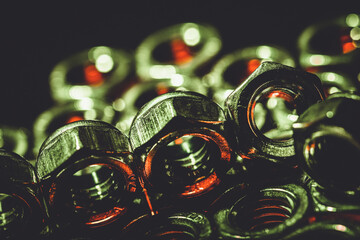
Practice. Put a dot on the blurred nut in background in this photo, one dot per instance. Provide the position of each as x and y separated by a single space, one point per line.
89 74
334 42
15 140
179 140
264 107
334 82
178 49
21 203
85 173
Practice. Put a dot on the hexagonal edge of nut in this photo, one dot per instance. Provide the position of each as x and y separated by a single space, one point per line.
176 110
83 138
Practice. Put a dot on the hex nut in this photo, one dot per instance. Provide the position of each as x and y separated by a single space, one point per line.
172 116
312 55
206 44
62 89
327 141
243 216
75 147
298 87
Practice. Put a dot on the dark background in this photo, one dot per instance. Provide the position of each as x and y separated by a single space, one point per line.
35 37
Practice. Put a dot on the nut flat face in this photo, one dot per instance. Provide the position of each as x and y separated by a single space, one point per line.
81 137
263 108
172 110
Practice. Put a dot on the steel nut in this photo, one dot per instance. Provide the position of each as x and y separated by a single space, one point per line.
263 108
85 173
21 202
180 142
179 49
89 74
261 213
327 139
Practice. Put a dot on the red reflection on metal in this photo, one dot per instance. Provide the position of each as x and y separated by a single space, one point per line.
161 89
280 94
106 217
202 186
93 76
312 69
178 141
52 191
180 51
206 183
312 219
347 44
74 119
252 65
148 201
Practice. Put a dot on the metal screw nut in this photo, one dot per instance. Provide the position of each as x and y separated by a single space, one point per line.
263 108
327 142
174 116
81 164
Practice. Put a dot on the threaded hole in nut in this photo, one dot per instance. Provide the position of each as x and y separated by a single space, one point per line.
183 162
96 192
273 112
264 210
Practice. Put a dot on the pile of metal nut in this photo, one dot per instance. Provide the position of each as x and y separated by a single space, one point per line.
181 142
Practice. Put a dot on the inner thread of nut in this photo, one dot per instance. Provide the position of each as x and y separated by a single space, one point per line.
263 211
11 212
184 161
273 113
95 189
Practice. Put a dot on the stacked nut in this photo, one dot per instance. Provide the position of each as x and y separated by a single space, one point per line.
179 142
